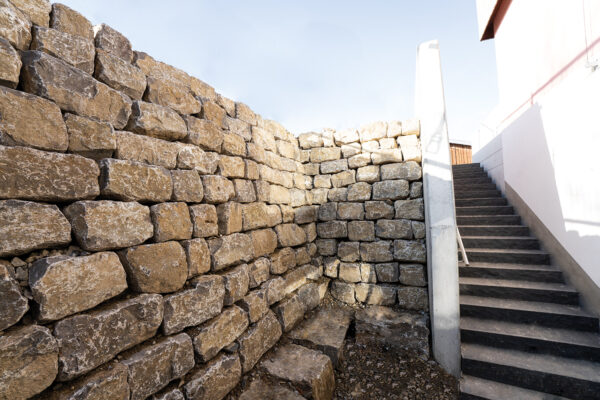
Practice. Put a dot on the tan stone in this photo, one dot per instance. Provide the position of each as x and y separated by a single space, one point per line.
62 285
244 191
369 173
289 312
194 306
254 216
367 273
343 291
360 191
155 268
170 393
359 160
230 250
252 170
205 220
261 390
257 340
243 112
28 361
232 167
193 157
197 255
348 252
258 272
275 289
91 339
156 121
393 229
153 366
32 121
213 112
187 186
105 383
378 210
74 50
103 225
27 226
255 304
310 140
112 42
226 103
349 272
15 26
10 64
351 211
204 133
90 138
411 147
219 332
370 146
230 218
38 11
119 74
387 143
237 281
234 145
290 235
387 156
145 149
214 380
411 127
379 251
349 150
373 131
72 89
134 181
37 175
375 294
13 305
67 20
283 260
333 167
171 221
217 189
264 242
337 194
169 94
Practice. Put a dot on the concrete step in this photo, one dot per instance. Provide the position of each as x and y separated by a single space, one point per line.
493 230
531 338
465 166
560 376
475 194
474 388
489 220
324 331
484 210
516 272
511 256
501 242
519 290
469 175
545 314
470 181
471 186
483 201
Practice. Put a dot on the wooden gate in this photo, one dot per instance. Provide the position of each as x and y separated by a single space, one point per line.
460 153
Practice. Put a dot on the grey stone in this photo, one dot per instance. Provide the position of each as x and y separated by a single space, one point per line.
379 251
332 229
328 211
379 210
348 251
13 305
390 190
393 229
387 272
418 229
343 291
410 171
326 247
375 294
261 390
350 211
413 298
412 275
361 231
408 250
410 209
214 380
333 167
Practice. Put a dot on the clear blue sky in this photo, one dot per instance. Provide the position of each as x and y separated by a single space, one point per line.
311 64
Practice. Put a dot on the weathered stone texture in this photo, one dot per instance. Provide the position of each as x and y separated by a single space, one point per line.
343 291
38 11
255 304
264 242
236 281
375 294
10 64
119 74
407 250
13 305
413 298
90 138
393 229
411 209
361 231
390 190
260 390
204 133
290 235
214 380
219 332
230 250
177 97
113 42
15 26
412 275
187 186
332 229
73 49
156 121
204 219
105 383
258 339
379 251
144 149
67 20
217 189
134 181
171 221
258 272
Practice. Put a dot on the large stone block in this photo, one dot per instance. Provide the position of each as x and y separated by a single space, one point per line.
244 191
393 229
343 291
28 361
386 156
134 181
411 147
30 120
15 26
155 268
413 298
219 332
90 138
67 20
332 229
213 112
264 242
416 190
344 178
153 366
119 74
255 304
72 89
145 149
349 272
410 250
310 140
375 294
38 11
361 231
261 390
193 306
217 189
204 133
254 216
379 251
333 167
98 225
410 171
236 281
410 209
258 272
214 380
232 167
10 65
359 160
193 157
257 340
230 250
338 194
204 219
156 121
379 210
290 235
171 221
328 212
323 154
373 131
197 255
230 217
367 273
412 275
27 226
74 50
37 175
234 145
290 311
283 260
275 289
418 229
62 285
369 173
187 186
387 272
105 383
112 42
91 339
348 251
13 305
390 190
169 94
351 211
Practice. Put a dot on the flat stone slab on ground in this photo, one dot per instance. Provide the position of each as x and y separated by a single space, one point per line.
261 390
325 332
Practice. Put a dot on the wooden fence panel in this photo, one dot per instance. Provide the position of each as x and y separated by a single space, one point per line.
460 153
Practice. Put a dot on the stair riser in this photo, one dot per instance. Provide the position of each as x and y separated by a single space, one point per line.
538 295
489 220
485 243
471 181
494 230
560 321
530 345
493 201
493 210
476 194
461 187
511 274
534 380
507 258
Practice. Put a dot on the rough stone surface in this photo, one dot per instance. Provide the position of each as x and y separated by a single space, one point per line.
333 167
386 156
119 74
156 121
214 380
412 275
255 215
387 272
194 306
177 97
275 289
290 235
187 186
219 332
390 190
155 268
217 189
38 11
10 64
410 209
28 361
393 229
73 49
105 225
310 371
260 390
283 260
255 342
409 171
204 133
351 211
105 383
290 311
359 192
236 281
230 250
375 294
27 226
407 250
204 219
379 251
378 210
413 298
343 291
89 340
255 305
13 305
15 26
145 149
230 218
113 42
37 175
171 221
332 229
90 138
134 181
258 272
62 285
67 20
264 242
361 231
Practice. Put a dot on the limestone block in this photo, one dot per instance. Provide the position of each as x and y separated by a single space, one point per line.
332 229
343 178
37 175
410 209
10 64
38 11
213 112
283 260
338 194
90 138
305 214
275 288
103 225
416 190
154 365
243 112
349 272
411 147
343 291
409 250
72 89
369 173
387 272
394 129
13 305
62 285
359 160
310 296
326 247
370 146
361 231
387 143
256 153
345 136
261 390
333 167
379 251
169 94
232 167
297 198
234 145
230 250
310 140
264 241
156 121
74 50
28 361
258 272
390 190
289 312
105 383
214 380
351 211
393 229
91 339
171 222
367 273
375 294
15 26
387 156
119 74
204 219
219 332
412 275
409 171
194 306
134 181
27 226
230 218
349 150
238 127
67 20
112 42
254 216
255 304
146 149
311 168
187 186
379 210
264 138
373 131
322 181
170 393
418 229
258 340
328 211
319 196
197 255
413 298
192 157
323 154
360 191
251 170
217 189
302 256
331 267
290 235
274 215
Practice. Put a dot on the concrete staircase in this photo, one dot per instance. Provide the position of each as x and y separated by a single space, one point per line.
524 334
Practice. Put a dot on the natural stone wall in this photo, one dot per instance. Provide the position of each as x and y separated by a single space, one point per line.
368 186
151 244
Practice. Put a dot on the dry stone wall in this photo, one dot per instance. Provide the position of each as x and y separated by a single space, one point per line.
151 243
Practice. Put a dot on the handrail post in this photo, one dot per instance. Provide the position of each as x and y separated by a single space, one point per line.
440 220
